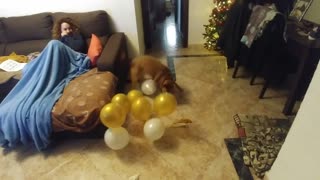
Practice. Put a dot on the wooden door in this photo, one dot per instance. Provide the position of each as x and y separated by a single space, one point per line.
146 23
182 20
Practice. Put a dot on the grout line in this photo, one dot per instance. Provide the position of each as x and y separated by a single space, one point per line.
170 61
194 55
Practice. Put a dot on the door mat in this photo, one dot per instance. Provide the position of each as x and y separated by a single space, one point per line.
261 140
234 147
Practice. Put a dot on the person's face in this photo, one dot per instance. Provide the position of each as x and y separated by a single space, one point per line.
65 29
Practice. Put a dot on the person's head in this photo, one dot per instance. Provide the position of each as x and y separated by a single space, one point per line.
64 26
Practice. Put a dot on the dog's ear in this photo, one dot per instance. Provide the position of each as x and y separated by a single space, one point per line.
170 86
167 85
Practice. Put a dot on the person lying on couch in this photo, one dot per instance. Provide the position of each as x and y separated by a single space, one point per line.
67 31
25 113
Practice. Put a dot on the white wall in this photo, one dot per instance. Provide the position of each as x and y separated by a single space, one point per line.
127 19
139 23
123 14
199 12
299 157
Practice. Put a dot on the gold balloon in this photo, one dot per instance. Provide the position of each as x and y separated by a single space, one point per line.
141 108
123 101
164 104
112 116
133 94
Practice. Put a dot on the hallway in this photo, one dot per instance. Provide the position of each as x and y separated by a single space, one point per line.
166 36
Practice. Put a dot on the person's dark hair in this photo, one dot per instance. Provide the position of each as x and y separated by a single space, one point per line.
56 30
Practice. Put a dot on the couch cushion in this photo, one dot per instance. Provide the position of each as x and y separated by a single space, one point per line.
94 22
2 32
32 27
6 87
78 108
2 46
26 47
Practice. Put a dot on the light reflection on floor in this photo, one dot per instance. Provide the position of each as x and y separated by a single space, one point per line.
171 35
165 37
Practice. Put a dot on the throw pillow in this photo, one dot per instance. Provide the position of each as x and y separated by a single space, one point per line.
79 106
95 49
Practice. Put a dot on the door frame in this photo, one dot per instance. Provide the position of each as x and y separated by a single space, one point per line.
185 22
182 24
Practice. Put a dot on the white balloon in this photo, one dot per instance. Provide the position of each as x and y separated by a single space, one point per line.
154 129
148 87
116 138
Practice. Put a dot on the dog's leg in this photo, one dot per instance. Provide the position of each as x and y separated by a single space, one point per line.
164 89
134 76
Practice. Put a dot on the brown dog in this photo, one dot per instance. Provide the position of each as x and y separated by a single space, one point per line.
148 67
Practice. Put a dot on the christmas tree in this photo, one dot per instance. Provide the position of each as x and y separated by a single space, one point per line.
216 21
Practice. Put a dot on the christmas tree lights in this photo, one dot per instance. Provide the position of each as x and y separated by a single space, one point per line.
216 21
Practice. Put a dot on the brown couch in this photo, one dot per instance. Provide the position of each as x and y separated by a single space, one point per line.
74 111
27 34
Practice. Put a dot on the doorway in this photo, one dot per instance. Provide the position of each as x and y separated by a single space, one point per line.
165 24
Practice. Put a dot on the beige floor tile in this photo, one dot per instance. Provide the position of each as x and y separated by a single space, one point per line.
210 99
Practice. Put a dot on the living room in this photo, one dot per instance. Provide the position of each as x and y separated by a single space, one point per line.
301 145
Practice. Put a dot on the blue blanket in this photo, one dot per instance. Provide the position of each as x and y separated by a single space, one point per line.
25 113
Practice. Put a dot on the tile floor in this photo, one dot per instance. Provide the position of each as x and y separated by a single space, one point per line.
210 99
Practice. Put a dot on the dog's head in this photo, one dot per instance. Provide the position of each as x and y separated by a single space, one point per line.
166 82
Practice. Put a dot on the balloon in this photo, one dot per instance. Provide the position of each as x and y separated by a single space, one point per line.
164 104
154 129
116 138
133 94
122 100
149 87
141 108
112 116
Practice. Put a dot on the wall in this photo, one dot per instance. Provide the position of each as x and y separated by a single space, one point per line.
128 19
124 14
139 25
312 14
199 12
299 157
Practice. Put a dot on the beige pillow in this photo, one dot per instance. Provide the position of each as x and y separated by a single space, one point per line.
79 106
